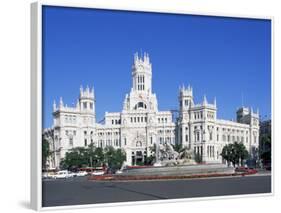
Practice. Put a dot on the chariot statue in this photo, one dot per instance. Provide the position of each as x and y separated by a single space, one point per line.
167 156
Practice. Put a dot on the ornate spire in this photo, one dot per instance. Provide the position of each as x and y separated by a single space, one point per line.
61 102
81 90
87 91
54 106
136 57
93 91
205 102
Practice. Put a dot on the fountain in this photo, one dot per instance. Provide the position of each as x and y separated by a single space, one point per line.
167 156
170 163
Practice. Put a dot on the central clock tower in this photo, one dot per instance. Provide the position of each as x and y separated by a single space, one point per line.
141 74
141 96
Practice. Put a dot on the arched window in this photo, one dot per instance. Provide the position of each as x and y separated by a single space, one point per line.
140 105
138 144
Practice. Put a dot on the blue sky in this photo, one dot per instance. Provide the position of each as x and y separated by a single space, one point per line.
220 57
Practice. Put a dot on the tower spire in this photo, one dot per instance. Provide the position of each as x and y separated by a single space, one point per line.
205 102
215 101
54 106
242 99
61 102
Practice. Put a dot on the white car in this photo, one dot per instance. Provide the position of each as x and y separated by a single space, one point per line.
63 175
119 172
81 174
98 172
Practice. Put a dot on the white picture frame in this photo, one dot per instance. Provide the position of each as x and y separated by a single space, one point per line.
36 101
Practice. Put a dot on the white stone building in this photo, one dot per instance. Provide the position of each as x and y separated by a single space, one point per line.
140 124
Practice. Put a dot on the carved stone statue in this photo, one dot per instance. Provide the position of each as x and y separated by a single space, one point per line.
167 156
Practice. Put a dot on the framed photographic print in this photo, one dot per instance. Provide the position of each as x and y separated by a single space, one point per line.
133 105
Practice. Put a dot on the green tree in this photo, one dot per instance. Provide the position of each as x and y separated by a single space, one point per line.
45 152
265 149
235 153
114 158
178 147
149 160
98 157
91 156
78 157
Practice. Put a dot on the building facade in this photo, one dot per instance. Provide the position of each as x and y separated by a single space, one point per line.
140 124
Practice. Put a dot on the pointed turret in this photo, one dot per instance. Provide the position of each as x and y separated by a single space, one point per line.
141 73
93 91
61 102
205 102
81 90
54 106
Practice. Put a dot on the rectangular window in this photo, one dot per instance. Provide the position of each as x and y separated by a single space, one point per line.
66 132
85 105
91 105
85 142
71 141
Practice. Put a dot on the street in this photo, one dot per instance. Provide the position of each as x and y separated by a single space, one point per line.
78 191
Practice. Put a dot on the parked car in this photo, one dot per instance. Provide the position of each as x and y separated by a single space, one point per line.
63 174
119 172
48 175
241 169
81 173
98 171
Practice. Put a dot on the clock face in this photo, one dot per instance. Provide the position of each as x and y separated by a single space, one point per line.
141 67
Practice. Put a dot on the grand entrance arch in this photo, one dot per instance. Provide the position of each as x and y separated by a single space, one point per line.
139 153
